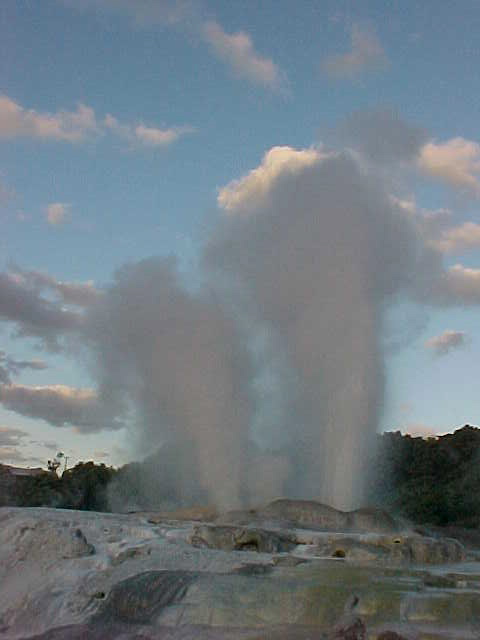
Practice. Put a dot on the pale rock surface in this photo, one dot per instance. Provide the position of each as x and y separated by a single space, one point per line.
285 574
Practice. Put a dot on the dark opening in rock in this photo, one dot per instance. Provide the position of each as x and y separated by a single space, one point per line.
251 545
338 553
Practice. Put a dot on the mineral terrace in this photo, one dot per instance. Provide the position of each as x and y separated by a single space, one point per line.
291 570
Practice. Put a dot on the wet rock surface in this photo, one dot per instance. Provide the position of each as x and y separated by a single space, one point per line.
141 598
241 539
286 573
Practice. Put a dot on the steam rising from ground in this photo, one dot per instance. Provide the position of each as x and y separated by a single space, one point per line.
175 358
319 252
300 271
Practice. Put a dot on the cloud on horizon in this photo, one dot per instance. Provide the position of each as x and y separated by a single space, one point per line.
10 437
12 442
13 456
419 430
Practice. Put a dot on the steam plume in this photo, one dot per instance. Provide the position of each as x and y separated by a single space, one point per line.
314 250
176 360
320 251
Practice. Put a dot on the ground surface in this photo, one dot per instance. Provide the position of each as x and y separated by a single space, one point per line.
293 570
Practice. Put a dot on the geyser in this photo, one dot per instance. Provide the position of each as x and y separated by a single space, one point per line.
309 252
319 250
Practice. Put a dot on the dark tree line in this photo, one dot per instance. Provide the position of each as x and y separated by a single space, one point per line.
431 480
82 487
428 480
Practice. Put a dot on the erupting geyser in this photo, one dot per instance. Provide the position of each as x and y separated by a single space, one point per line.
308 255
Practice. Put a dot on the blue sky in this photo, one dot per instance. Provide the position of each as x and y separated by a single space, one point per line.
120 123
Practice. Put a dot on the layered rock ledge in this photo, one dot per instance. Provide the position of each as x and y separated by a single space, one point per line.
291 570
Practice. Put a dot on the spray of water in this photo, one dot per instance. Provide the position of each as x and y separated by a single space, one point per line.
268 380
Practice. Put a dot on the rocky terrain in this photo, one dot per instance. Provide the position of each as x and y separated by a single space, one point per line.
293 570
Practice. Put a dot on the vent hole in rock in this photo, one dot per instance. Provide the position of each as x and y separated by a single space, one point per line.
251 545
338 553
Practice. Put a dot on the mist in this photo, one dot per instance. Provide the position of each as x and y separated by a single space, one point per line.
267 380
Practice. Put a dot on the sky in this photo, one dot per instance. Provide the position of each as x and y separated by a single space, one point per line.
139 128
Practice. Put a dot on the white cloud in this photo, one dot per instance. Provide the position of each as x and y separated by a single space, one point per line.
57 213
437 231
252 190
60 406
154 137
141 135
366 54
237 51
456 285
456 162
187 16
459 239
446 342
69 126
76 127
463 284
